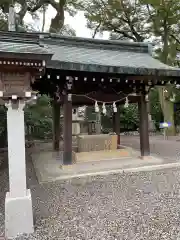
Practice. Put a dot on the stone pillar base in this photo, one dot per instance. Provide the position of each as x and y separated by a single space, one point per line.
18 215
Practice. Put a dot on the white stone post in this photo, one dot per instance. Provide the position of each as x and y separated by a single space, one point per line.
18 203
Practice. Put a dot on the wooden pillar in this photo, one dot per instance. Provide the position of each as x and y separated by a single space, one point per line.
56 124
143 126
116 124
67 154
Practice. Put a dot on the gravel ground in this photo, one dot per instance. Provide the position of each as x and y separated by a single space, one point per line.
167 149
135 206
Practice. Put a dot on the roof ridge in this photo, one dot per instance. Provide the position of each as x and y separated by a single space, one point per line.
52 38
20 37
56 36
97 43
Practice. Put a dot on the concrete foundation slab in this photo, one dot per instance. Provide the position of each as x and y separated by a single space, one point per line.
49 168
18 215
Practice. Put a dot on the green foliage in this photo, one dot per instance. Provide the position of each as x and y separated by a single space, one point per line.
129 117
90 113
155 107
177 106
165 19
3 20
127 19
38 119
3 24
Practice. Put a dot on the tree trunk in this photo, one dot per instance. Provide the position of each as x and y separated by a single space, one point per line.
166 105
44 18
168 109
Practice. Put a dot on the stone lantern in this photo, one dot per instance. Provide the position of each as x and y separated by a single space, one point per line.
22 60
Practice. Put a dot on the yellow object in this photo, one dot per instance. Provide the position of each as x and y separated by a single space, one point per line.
101 155
113 142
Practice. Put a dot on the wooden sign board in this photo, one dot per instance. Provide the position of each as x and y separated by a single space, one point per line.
14 83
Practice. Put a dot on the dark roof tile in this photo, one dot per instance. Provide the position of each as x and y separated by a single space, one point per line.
18 47
16 43
82 54
106 56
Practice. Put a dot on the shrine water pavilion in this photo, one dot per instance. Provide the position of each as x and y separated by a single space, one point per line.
73 72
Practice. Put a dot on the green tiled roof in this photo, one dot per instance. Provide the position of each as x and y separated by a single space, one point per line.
82 54
21 44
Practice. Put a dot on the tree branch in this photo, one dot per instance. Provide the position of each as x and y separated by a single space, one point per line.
40 3
21 14
137 36
175 38
112 27
125 34
58 21
44 17
96 30
152 19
